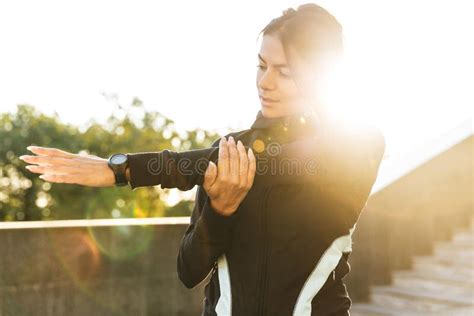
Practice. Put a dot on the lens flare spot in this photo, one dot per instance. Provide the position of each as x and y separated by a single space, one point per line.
122 242
258 146
139 213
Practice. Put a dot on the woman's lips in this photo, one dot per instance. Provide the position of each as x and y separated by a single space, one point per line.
268 101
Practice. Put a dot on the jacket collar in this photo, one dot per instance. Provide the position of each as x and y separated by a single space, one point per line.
289 127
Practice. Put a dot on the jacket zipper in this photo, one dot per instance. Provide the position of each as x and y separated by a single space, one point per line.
264 256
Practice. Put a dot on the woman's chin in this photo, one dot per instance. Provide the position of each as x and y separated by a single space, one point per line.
268 111
272 112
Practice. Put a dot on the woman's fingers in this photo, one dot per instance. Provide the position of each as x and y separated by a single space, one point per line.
59 166
233 162
41 160
243 170
234 177
252 168
223 165
55 152
210 176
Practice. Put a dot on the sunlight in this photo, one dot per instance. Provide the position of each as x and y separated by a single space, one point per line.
340 95
404 59
412 78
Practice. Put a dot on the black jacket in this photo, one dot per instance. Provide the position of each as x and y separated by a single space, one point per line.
285 250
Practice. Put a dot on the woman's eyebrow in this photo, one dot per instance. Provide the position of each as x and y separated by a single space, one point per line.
275 65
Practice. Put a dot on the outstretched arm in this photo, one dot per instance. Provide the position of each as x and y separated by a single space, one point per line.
351 155
56 165
171 169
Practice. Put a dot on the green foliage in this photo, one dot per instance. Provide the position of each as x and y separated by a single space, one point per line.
182 208
23 196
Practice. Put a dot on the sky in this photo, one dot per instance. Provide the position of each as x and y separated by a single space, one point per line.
408 64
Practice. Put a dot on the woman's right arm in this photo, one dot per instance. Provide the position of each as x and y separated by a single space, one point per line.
206 238
214 214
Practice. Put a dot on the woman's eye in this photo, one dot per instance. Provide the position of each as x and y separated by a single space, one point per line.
284 74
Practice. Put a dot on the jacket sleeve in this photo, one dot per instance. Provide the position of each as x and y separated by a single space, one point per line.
206 238
306 160
344 154
170 169
356 177
346 170
342 188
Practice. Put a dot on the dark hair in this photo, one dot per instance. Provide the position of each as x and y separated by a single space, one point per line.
312 32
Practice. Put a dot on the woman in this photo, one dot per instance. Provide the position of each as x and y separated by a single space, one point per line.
273 228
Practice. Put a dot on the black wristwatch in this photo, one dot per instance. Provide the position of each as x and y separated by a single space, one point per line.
119 163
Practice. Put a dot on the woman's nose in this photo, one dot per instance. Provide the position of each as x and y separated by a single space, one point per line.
267 82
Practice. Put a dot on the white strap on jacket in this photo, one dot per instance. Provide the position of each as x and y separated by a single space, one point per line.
224 304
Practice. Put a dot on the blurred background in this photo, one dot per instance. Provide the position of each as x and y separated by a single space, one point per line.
119 76
108 76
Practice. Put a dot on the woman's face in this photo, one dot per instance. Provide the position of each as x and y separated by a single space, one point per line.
278 93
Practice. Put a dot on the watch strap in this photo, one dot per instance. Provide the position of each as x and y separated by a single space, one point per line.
119 172
120 178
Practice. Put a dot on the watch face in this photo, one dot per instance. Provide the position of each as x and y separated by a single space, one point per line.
118 159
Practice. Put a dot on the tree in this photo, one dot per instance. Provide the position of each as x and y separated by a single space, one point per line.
23 196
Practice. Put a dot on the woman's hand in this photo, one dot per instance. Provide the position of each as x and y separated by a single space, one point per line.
227 183
60 166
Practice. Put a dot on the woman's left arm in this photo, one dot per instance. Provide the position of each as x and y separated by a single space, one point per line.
355 156
171 169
